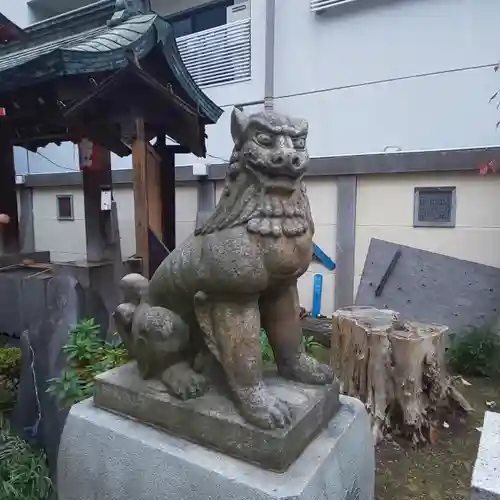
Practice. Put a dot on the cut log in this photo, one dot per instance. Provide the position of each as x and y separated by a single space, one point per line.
397 369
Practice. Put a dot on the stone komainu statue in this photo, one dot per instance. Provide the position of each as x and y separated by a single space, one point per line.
204 307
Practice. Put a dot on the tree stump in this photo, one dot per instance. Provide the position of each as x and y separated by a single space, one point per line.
397 369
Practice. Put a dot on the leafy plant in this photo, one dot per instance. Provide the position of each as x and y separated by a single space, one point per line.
84 344
88 355
265 347
24 473
10 373
309 345
476 353
10 362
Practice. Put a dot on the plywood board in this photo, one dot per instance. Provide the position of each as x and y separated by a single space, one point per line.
430 287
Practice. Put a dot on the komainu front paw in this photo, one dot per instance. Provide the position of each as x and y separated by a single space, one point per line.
262 409
183 382
307 370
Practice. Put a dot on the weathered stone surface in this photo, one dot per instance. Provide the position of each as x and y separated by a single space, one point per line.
37 414
212 419
106 456
236 274
486 477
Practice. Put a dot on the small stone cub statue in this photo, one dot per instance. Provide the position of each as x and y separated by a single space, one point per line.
209 299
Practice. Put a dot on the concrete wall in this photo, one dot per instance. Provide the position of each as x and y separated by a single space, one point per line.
66 239
385 211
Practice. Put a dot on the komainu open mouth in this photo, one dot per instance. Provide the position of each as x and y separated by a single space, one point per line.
276 180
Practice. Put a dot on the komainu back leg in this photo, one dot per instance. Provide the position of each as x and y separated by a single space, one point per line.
232 330
280 318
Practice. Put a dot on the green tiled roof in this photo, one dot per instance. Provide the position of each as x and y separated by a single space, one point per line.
51 53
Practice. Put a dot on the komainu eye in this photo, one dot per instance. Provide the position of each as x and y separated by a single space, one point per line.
299 143
264 139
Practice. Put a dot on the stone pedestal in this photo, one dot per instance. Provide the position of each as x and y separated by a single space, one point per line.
212 420
485 477
109 457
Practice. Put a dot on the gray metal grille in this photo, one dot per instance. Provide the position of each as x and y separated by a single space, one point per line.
434 207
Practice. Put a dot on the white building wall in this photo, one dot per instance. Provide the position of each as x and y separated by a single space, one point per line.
219 141
65 239
323 197
124 197
416 74
186 206
17 11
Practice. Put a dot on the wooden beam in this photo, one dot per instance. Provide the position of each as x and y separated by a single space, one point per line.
139 165
153 180
10 240
167 171
26 220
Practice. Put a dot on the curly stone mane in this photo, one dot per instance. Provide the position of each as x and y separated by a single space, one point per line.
243 201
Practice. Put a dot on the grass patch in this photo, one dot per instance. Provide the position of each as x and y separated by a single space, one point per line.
24 474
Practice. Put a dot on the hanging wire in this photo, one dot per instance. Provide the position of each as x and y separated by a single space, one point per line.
56 164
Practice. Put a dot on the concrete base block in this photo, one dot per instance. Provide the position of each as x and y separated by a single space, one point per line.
108 457
486 474
212 420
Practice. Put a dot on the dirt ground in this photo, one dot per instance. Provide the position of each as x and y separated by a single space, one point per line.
441 471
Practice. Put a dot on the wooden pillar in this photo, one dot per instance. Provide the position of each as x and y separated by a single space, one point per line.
96 177
9 238
26 220
139 165
167 156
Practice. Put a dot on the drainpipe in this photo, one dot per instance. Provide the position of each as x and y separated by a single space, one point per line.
269 55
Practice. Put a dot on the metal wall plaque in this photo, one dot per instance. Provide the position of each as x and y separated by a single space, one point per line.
434 207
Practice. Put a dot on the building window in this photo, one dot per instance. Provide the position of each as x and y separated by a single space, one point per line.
434 207
65 207
200 19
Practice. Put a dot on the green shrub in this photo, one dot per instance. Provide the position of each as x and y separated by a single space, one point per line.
10 373
24 474
476 353
88 356
10 362
309 345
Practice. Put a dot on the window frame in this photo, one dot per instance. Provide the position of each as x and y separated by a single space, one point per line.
191 13
416 206
72 207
